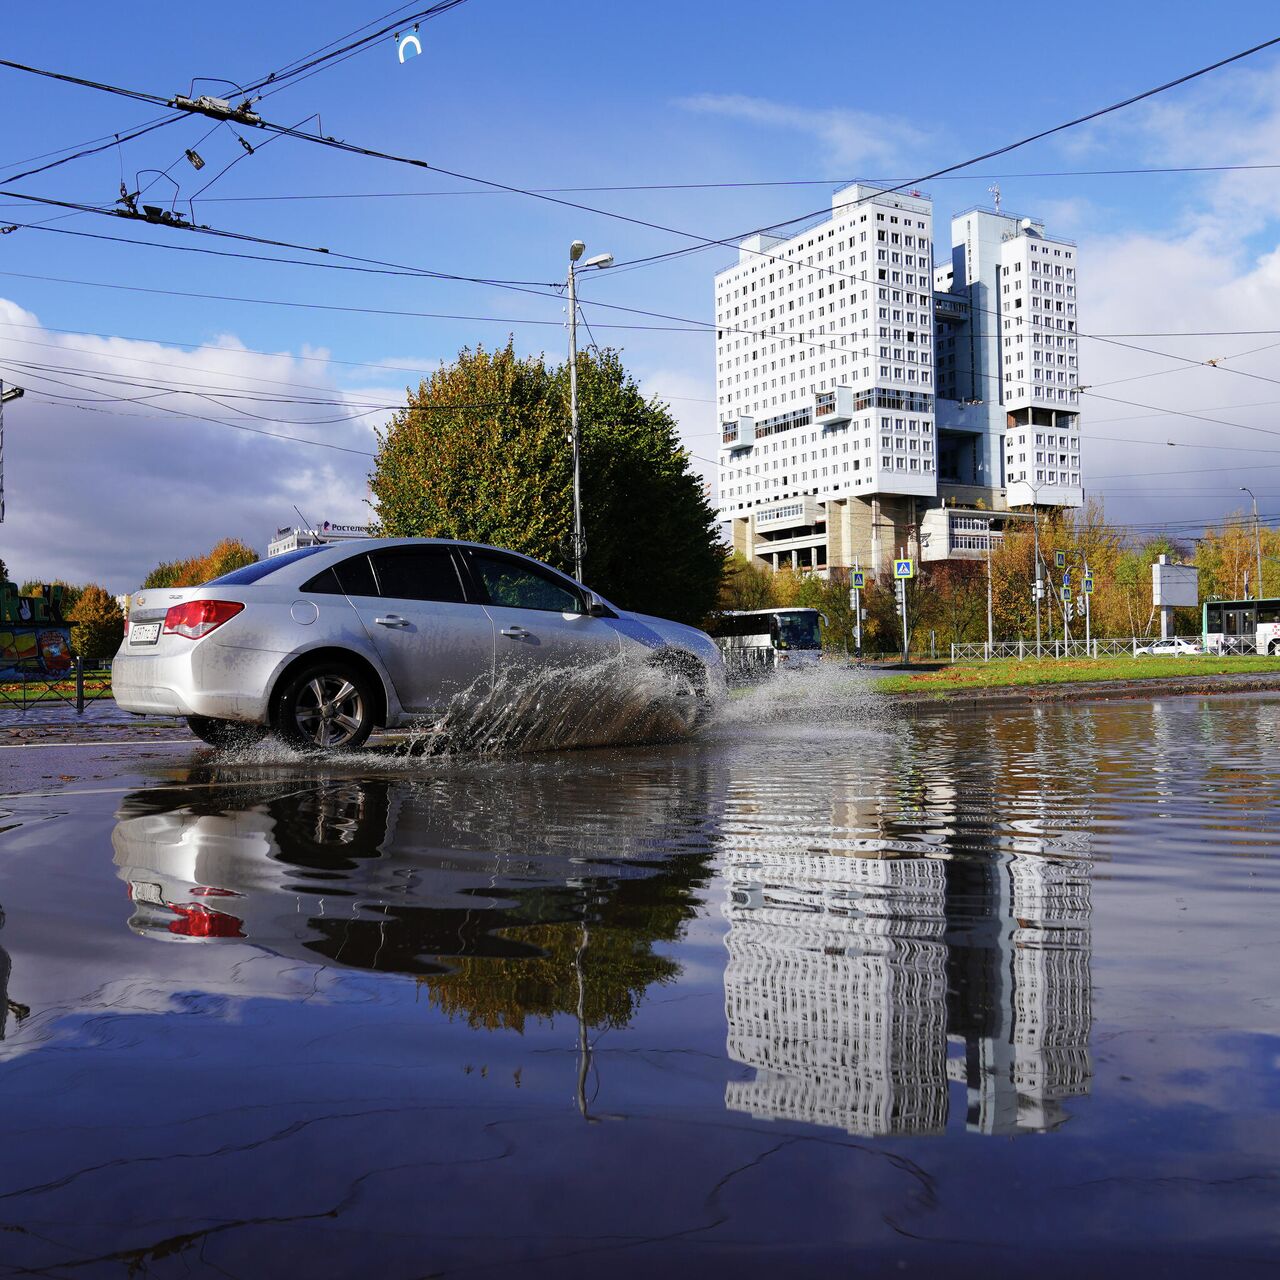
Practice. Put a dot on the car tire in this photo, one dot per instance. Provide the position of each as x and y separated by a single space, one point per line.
225 734
688 678
1274 649
327 705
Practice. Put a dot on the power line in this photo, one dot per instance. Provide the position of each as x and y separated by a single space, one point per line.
328 306
622 188
374 265
178 346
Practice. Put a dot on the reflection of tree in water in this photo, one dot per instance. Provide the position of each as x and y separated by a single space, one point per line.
617 965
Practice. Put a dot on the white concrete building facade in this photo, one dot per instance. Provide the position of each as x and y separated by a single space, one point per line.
869 402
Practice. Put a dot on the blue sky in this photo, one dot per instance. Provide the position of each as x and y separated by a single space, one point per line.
577 95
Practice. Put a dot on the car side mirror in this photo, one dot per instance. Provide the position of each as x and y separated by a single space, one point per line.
596 608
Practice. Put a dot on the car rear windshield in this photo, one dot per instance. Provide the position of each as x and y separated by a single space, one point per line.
260 569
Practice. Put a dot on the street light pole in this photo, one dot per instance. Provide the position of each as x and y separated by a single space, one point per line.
1035 522
6 394
1257 542
576 250
990 624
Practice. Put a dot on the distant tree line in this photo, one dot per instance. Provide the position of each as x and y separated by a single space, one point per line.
949 597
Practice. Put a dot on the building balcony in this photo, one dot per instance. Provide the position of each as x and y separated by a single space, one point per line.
831 408
738 433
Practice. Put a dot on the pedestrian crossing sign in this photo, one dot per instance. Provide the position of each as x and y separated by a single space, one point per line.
1088 585
859 579
1060 559
904 569
1066 594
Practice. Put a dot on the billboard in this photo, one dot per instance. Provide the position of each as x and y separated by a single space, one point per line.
35 641
1174 585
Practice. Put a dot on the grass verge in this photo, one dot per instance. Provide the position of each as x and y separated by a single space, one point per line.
1013 673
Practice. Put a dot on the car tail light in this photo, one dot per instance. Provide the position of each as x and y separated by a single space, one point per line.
197 618
197 921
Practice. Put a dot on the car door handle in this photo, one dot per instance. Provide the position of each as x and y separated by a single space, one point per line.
392 620
514 632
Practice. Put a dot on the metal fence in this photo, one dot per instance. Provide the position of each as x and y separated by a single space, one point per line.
1122 646
36 688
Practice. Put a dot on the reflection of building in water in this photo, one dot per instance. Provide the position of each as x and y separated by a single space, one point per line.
1020 989
848 976
835 992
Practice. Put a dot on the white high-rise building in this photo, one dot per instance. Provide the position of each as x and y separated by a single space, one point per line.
1008 361
824 382
871 405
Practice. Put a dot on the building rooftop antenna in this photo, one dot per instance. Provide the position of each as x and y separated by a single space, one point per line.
995 195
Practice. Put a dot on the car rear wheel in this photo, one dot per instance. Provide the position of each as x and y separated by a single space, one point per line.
1274 649
225 734
327 705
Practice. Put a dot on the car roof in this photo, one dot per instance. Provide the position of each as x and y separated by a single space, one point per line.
306 566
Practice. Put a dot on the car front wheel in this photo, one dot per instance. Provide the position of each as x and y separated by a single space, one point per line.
327 705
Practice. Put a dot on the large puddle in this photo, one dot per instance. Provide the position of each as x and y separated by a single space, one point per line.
818 991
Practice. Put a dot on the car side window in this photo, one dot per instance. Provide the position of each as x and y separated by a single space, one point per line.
418 573
516 585
351 577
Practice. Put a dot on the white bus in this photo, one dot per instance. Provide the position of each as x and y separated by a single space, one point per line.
1242 626
757 641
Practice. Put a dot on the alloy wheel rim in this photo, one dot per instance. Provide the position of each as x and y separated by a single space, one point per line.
329 711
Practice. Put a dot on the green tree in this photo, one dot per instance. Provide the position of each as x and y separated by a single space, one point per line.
480 452
97 625
746 584
223 557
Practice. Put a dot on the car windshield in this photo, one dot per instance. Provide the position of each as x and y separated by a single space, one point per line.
260 568
796 631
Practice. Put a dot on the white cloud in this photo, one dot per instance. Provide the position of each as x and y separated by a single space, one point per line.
112 464
850 139
1209 259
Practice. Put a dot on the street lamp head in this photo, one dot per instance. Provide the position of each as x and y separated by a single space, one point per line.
600 260
576 250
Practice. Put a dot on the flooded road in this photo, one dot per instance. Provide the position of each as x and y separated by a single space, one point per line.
823 991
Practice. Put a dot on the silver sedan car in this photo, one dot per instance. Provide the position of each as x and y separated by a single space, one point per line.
324 644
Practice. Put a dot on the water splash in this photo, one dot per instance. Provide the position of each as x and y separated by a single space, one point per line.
615 702
826 693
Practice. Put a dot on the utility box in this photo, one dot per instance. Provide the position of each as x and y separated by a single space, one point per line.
1174 586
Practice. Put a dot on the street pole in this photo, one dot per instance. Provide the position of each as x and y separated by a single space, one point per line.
1088 597
576 250
1039 589
12 393
990 627
902 601
1257 543
855 598
574 434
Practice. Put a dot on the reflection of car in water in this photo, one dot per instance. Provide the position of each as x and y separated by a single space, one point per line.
405 878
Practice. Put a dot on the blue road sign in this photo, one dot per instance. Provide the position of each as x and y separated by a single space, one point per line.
859 579
904 569
1066 594
1060 559
1066 577
1088 584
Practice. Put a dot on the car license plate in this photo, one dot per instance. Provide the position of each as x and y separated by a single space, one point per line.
145 891
144 633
